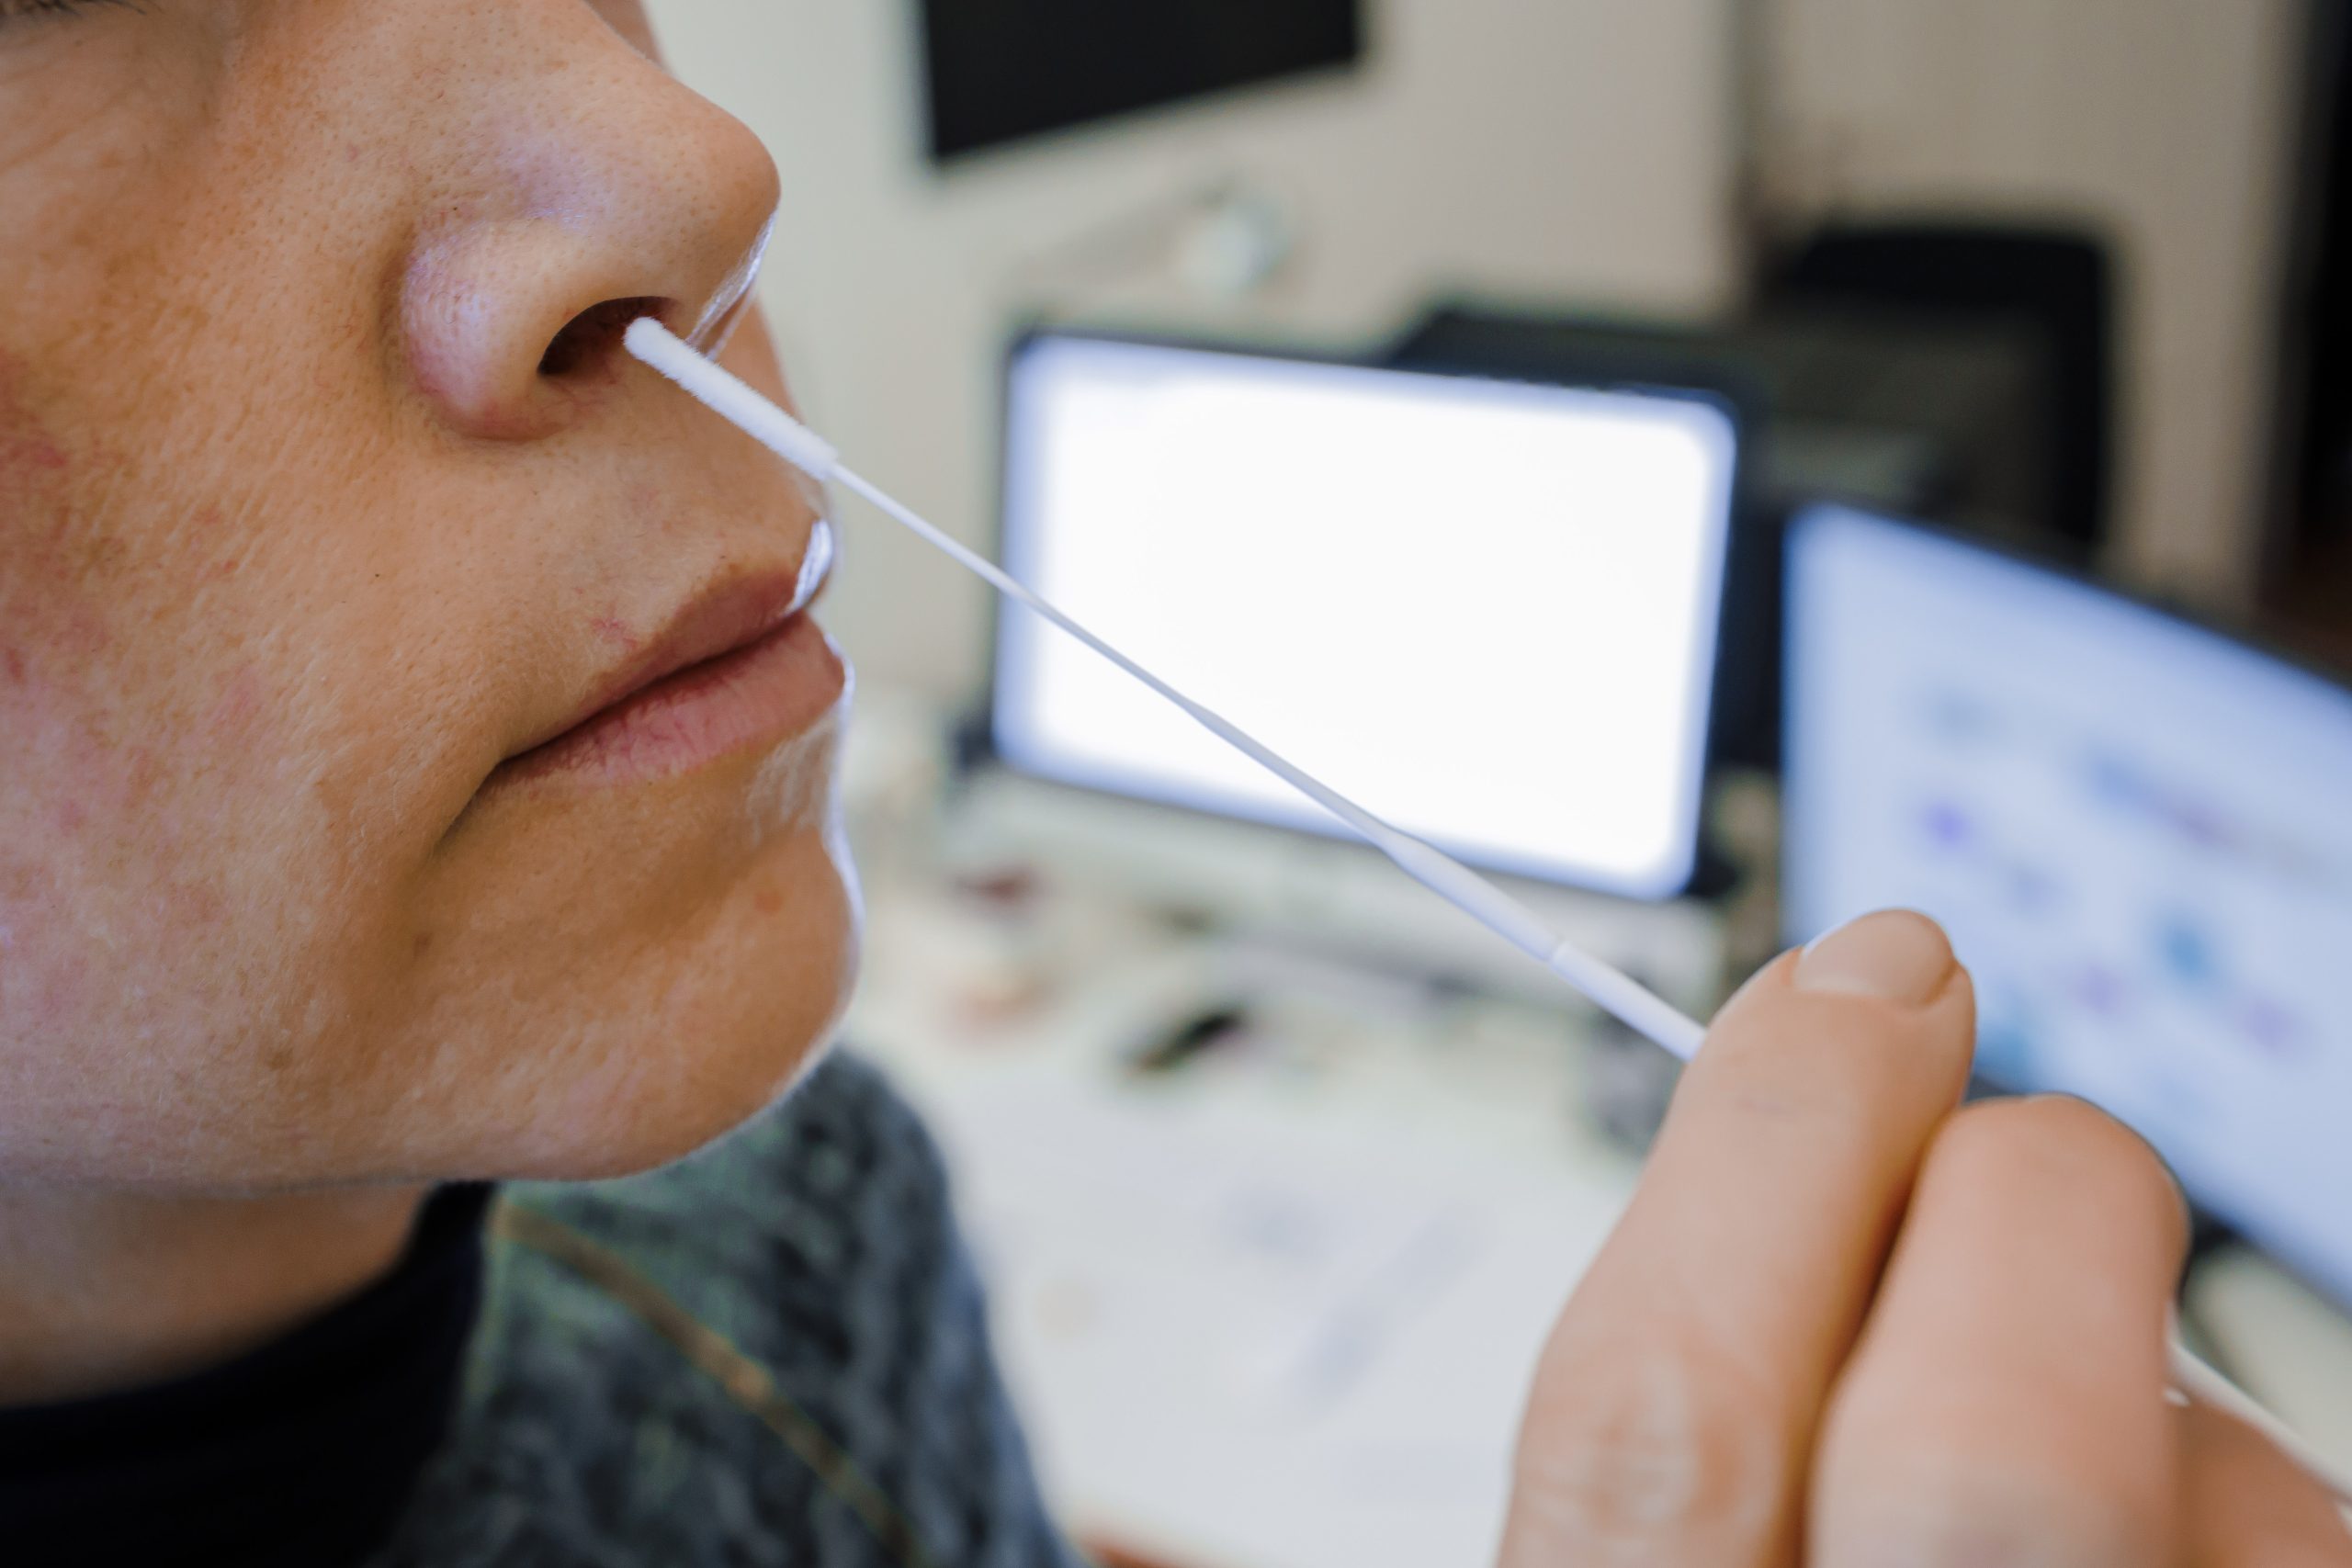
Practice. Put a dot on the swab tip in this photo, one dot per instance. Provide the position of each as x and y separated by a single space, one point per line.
644 335
725 395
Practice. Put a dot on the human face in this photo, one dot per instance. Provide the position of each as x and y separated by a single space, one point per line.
329 509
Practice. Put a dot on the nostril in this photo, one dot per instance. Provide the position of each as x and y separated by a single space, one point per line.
592 338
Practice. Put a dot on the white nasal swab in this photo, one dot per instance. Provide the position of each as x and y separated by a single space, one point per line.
1636 1005
1639 1007
1620 995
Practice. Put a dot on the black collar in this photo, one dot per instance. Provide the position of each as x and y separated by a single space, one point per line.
302 1452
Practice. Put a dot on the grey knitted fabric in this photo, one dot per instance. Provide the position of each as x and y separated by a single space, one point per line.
867 1428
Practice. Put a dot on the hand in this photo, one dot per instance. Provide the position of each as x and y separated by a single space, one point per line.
1847 1324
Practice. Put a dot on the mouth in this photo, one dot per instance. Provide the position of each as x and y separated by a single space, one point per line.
742 668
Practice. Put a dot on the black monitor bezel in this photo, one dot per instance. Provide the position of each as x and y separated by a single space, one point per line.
950 147
977 748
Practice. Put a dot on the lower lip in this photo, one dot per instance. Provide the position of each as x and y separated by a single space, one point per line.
747 702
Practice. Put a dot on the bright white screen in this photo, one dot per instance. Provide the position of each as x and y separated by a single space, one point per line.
2136 832
1486 612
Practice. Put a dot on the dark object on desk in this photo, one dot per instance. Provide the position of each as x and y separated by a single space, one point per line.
1194 1036
1001 71
2058 282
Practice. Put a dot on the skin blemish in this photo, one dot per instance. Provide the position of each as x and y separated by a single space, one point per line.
207 524
40 983
26 449
28 457
57 569
75 632
768 901
614 630
144 777
238 706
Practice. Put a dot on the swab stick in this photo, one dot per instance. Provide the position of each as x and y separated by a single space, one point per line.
1614 992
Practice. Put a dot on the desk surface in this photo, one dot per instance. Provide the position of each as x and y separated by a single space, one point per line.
1274 1310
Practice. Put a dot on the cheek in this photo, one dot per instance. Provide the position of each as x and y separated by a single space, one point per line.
104 871
234 718
161 910
44 973
48 616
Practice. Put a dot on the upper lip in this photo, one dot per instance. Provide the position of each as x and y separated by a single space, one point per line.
725 616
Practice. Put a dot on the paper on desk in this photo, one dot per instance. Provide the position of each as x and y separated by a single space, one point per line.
1260 1344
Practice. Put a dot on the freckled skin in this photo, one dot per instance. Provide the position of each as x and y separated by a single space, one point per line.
297 544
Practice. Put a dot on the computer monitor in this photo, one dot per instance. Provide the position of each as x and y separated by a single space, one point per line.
1005 70
2135 829
1488 611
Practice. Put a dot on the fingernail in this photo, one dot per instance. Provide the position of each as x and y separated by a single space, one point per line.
1895 956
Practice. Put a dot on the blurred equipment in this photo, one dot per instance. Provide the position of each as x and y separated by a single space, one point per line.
2133 828
2308 567
2057 284
1003 71
1936 410
1225 238
1487 610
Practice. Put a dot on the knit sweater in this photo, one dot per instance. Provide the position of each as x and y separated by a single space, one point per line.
773 1353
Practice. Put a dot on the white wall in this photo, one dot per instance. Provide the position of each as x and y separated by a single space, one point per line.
2171 121
1542 147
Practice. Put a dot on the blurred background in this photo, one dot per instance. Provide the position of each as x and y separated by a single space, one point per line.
2012 344
1653 158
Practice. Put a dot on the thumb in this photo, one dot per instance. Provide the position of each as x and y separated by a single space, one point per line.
1673 1411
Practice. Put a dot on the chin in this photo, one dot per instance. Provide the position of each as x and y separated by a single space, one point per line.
638 975
756 1006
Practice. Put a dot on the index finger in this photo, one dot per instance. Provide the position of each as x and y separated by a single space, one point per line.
1675 1406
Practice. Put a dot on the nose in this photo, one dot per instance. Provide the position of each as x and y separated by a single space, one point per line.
594 189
